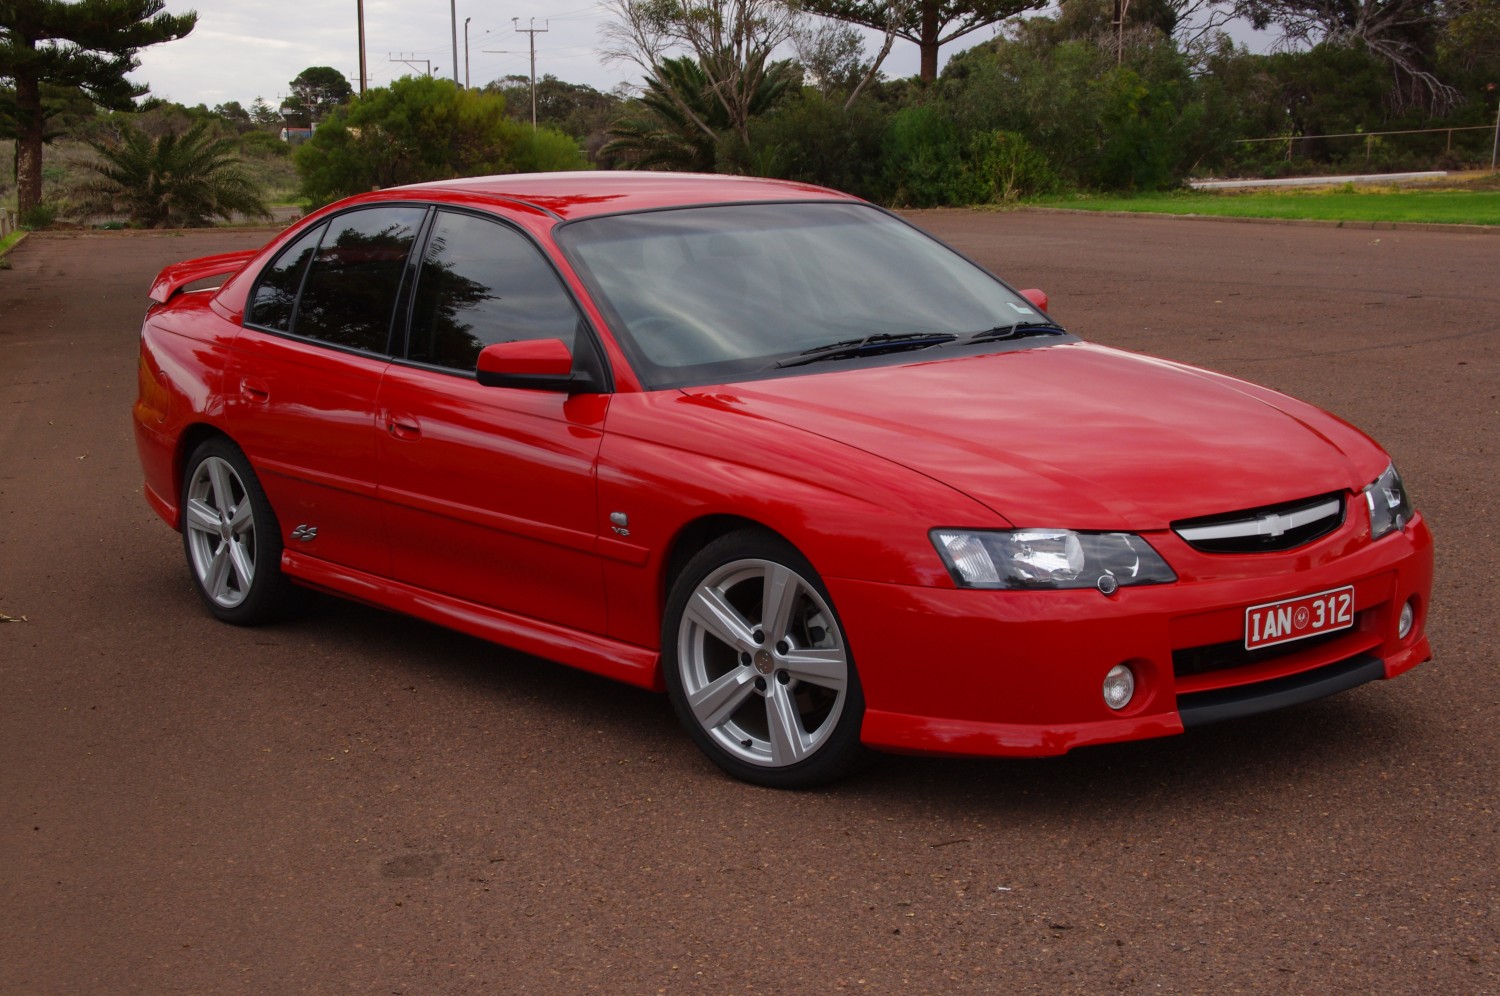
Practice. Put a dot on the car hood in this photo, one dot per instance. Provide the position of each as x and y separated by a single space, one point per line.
1075 435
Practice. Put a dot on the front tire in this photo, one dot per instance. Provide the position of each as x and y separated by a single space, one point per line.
231 537
757 667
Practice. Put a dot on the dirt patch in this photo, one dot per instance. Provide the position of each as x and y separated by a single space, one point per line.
355 802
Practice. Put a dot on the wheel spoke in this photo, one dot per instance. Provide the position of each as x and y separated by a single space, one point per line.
779 597
787 746
240 556
717 701
216 581
710 610
220 476
202 517
243 520
825 668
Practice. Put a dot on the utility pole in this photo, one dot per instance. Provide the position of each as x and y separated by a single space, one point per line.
453 20
466 51
1122 7
1495 146
363 76
533 31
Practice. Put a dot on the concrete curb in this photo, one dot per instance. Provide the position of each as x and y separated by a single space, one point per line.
117 233
1377 226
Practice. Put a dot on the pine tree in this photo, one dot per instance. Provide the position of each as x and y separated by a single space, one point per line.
87 46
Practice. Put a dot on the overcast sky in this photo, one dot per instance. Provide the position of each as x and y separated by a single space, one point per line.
243 49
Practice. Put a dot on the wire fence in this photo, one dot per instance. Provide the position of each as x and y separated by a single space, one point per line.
1316 146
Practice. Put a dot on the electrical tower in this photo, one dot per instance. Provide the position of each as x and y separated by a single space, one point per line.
413 61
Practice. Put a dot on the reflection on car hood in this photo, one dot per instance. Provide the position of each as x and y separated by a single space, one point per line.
1076 435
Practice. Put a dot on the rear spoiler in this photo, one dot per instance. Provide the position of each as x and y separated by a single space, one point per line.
177 276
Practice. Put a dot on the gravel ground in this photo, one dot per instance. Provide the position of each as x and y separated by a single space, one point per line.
353 802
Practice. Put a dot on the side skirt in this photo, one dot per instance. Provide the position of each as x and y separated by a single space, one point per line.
601 655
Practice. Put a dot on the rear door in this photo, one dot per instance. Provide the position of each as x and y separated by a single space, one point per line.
489 491
302 395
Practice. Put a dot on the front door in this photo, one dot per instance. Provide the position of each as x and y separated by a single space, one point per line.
489 492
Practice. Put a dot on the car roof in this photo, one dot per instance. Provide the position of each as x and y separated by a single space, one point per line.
583 194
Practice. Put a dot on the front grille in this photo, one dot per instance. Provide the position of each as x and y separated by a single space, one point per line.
1266 529
1224 656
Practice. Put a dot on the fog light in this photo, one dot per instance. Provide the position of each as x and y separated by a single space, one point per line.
1407 620
1119 686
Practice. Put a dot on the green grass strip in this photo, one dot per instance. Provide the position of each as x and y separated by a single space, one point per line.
1452 207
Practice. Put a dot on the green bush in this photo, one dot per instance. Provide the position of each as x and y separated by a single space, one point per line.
546 150
1004 166
1098 120
264 144
813 139
420 128
41 216
923 160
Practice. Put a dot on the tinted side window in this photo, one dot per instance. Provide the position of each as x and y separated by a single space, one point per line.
351 289
481 283
277 291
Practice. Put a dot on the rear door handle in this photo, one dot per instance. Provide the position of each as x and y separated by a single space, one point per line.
253 390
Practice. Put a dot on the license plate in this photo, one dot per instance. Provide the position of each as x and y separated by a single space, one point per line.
1298 618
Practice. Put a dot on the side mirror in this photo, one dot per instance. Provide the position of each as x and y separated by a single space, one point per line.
1036 297
533 364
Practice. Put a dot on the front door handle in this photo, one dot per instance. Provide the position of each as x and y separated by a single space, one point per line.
403 426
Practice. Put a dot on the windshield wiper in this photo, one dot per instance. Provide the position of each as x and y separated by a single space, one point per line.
870 345
1016 330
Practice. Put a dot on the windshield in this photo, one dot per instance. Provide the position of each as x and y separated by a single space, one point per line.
708 294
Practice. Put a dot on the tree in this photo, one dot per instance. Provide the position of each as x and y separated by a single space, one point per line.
262 113
931 24
421 128
575 109
1402 33
86 46
731 41
316 91
683 122
1472 35
1104 117
180 180
232 111
832 53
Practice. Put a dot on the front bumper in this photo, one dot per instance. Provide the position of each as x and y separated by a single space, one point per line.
1020 673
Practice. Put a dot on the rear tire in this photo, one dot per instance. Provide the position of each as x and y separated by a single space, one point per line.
231 537
757 667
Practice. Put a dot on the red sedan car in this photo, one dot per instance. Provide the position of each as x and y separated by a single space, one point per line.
822 479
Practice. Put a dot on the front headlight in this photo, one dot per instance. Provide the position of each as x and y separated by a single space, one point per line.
1049 558
1390 508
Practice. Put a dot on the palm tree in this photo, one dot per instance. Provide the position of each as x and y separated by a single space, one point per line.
685 123
175 181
